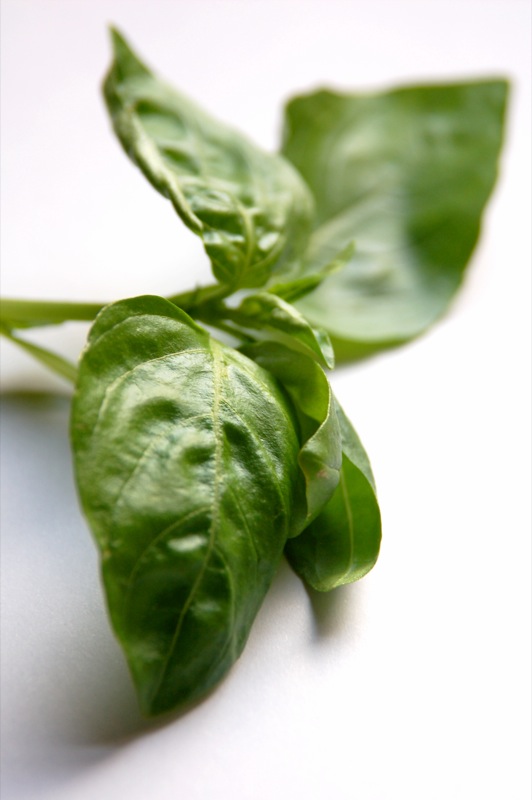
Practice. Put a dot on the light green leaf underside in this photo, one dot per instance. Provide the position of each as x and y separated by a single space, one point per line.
406 174
251 209
186 463
339 539
320 457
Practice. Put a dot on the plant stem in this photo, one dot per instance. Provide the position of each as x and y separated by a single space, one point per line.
56 363
32 313
217 323
27 313
188 301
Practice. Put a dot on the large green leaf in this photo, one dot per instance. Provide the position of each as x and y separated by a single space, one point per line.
186 462
251 209
406 174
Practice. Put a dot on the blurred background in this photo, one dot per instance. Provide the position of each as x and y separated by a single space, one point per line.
415 682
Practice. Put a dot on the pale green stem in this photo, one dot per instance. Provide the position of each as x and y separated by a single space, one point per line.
32 313
27 313
56 363
188 301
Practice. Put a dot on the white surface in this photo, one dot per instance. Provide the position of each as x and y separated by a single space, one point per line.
412 684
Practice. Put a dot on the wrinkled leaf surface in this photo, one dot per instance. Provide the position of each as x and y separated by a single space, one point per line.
186 463
251 209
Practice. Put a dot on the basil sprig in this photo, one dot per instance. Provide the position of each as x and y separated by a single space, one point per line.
198 463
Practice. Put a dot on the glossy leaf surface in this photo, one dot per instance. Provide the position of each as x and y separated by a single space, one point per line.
268 312
406 174
251 209
342 544
186 462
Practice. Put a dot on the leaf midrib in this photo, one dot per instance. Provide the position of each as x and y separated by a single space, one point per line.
215 513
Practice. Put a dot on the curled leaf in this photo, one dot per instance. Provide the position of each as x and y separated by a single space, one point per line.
338 540
320 457
342 543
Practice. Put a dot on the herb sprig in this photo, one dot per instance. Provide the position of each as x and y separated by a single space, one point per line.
199 464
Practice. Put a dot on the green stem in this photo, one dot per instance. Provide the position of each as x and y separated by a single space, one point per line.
201 303
27 313
32 313
189 301
56 363
230 329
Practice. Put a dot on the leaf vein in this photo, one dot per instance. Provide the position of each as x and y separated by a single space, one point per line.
215 516
121 378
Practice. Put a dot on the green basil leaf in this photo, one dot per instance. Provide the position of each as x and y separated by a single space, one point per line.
320 457
341 532
321 259
405 173
342 544
186 463
251 209
268 312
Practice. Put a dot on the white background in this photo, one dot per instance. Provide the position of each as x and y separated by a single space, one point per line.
412 684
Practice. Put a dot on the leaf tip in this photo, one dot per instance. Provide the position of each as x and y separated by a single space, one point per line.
123 54
118 41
